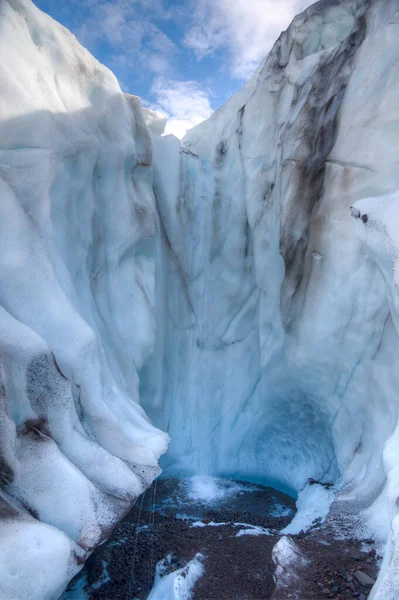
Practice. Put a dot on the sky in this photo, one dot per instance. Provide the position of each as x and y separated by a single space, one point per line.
184 58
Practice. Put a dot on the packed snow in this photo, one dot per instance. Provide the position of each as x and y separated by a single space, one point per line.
177 585
252 530
313 506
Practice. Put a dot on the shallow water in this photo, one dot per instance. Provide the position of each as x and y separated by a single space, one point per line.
232 525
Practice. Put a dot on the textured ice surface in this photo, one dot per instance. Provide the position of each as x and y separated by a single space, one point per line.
280 309
77 293
177 585
246 387
289 560
246 287
313 506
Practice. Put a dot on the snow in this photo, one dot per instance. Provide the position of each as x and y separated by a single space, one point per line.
253 530
35 557
177 585
245 528
313 506
210 524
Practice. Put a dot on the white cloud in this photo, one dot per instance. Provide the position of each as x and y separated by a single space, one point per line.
246 29
135 37
127 26
184 103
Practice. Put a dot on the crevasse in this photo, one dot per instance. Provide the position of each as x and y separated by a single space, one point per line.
241 287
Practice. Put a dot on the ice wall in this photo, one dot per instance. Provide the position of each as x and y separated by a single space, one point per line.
245 287
281 310
77 293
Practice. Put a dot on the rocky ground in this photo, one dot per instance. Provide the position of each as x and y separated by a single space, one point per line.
166 522
338 569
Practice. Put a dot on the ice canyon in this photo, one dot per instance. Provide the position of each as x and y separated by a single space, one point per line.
241 288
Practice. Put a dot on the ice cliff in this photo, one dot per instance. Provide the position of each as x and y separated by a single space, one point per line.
242 287
77 273
281 309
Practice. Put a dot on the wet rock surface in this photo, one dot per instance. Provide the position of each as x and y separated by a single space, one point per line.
339 568
235 534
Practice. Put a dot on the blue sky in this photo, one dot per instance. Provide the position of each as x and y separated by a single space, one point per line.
184 58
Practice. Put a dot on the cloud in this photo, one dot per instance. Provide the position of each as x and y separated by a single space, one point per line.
133 37
246 30
128 28
184 103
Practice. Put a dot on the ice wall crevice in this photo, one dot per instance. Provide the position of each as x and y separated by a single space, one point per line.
269 181
224 284
254 223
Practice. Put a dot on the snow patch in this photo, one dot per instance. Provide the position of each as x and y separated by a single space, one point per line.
179 584
313 505
253 530
210 524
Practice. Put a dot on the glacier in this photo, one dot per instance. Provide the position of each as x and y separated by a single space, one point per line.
240 288
77 292
279 244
